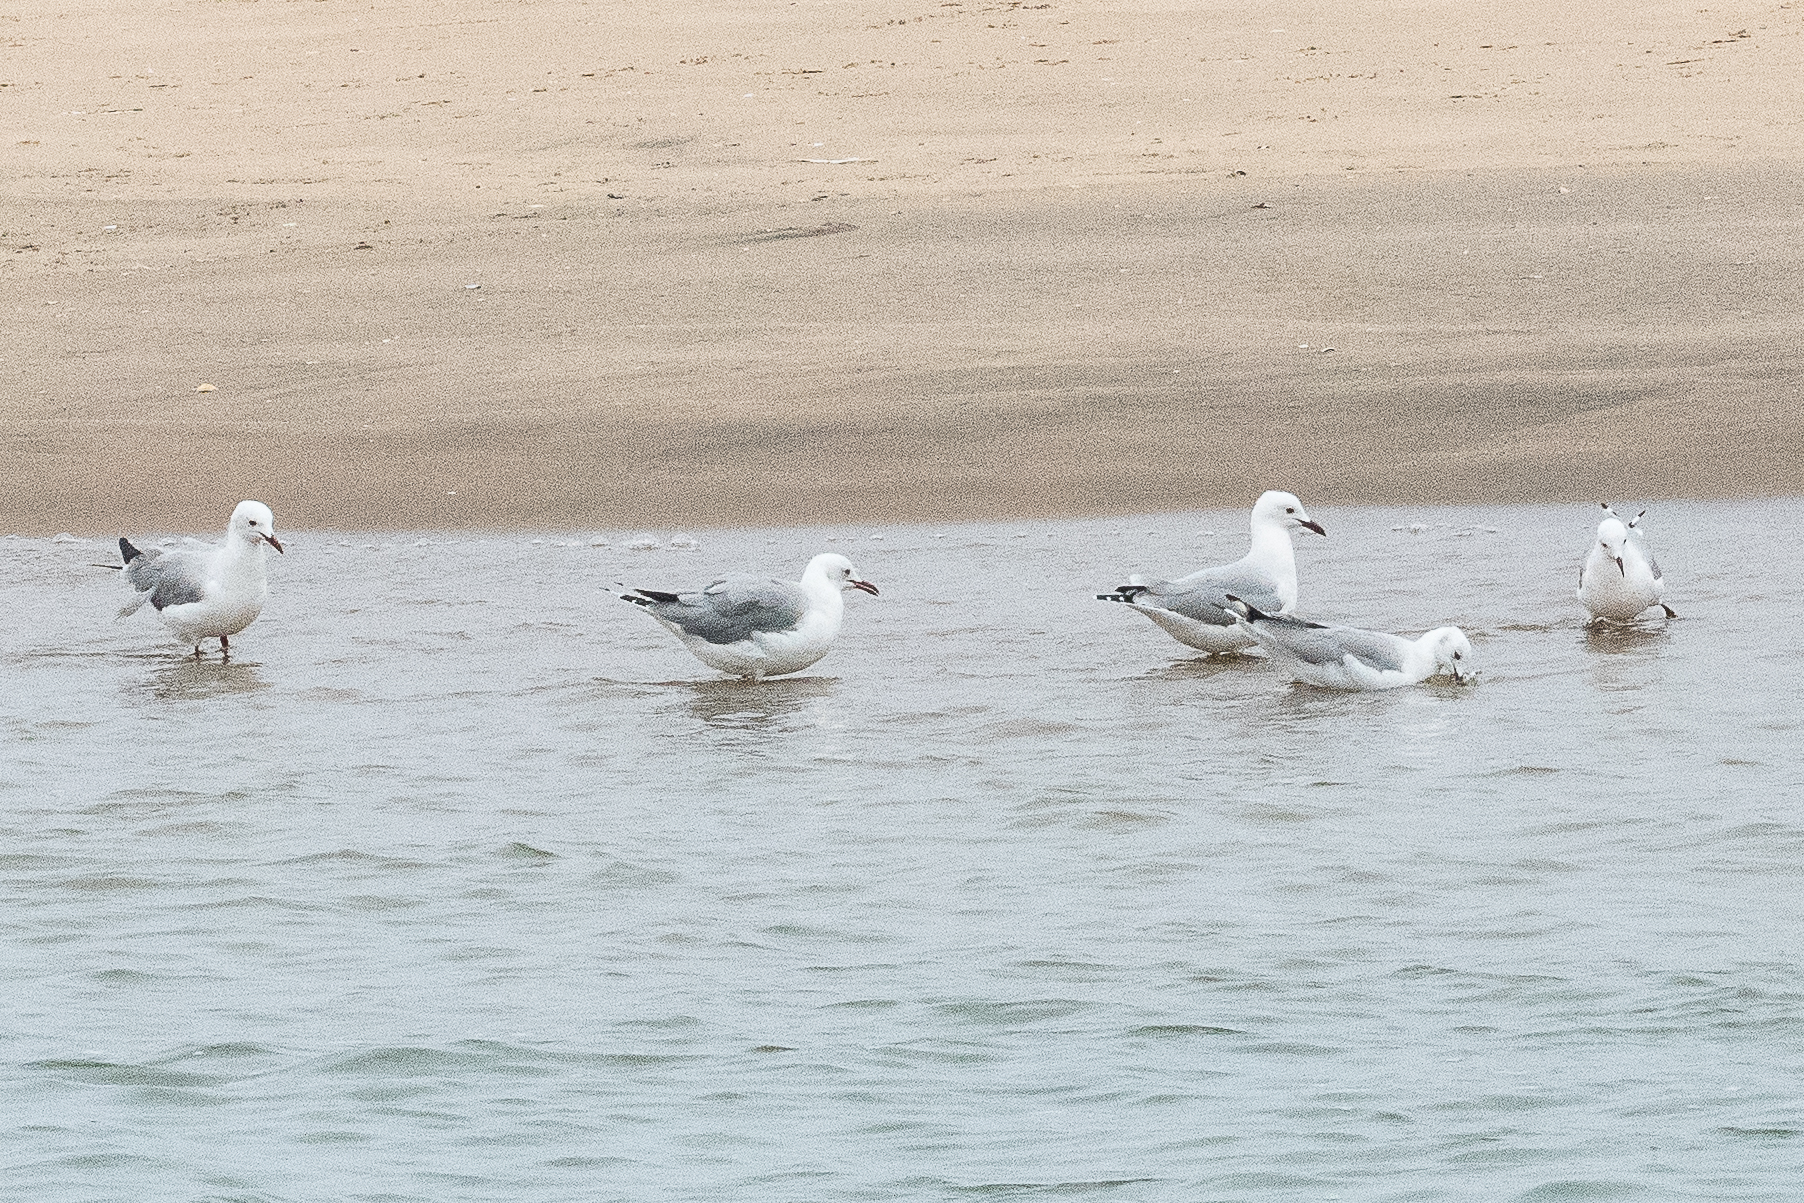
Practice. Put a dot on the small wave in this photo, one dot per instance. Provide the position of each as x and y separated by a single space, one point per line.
110 883
1179 1030
1581 1190
353 856
1011 1013
108 1073
1075 1188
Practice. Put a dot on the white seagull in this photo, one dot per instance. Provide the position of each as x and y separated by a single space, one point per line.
756 627
211 592
1337 657
1619 578
1194 609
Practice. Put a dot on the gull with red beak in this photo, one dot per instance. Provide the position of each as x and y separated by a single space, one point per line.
757 627
207 592
1619 578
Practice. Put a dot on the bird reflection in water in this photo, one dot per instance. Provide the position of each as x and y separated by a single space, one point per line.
1613 638
1627 655
185 679
742 705
1201 668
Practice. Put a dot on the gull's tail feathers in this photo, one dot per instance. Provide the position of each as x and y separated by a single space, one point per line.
1129 593
129 553
1248 614
1125 594
1246 609
648 597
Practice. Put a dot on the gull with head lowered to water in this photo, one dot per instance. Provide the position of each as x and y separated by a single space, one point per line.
1194 609
757 627
206 592
1336 657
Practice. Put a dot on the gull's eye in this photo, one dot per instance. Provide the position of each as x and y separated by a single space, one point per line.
253 522
1290 509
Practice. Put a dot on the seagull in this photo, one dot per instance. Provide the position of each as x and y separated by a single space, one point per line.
1193 609
1337 657
207 592
757 627
1619 578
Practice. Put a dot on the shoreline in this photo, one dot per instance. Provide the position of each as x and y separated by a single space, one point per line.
1230 522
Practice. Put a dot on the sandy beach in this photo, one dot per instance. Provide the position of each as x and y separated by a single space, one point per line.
566 265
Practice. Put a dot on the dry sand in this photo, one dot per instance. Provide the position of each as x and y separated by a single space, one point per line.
805 262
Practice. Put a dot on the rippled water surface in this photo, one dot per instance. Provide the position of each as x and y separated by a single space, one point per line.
464 882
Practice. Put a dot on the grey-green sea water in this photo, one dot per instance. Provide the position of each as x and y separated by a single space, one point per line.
464 882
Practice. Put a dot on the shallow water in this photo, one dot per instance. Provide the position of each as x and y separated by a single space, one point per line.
463 881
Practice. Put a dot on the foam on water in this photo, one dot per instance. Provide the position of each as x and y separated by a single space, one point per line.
466 882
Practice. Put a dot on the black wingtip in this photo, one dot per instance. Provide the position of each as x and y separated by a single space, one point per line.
128 551
1252 613
1125 594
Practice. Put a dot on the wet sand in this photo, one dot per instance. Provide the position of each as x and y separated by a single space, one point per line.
1385 256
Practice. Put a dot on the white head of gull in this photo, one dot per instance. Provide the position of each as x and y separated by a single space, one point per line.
1336 657
757 627
1194 610
1620 578
207 592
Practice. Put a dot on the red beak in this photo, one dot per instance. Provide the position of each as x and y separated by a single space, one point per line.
865 585
274 542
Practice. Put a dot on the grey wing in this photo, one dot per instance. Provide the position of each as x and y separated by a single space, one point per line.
735 608
1314 644
172 579
1381 651
1203 595
1640 542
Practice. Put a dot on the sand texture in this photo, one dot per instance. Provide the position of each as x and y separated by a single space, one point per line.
562 264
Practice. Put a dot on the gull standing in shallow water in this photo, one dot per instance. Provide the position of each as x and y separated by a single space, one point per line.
1194 609
1619 578
1351 658
756 627
207 593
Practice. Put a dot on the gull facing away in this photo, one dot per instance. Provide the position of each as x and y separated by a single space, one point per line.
757 627
1350 658
1194 609
207 592
1619 578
